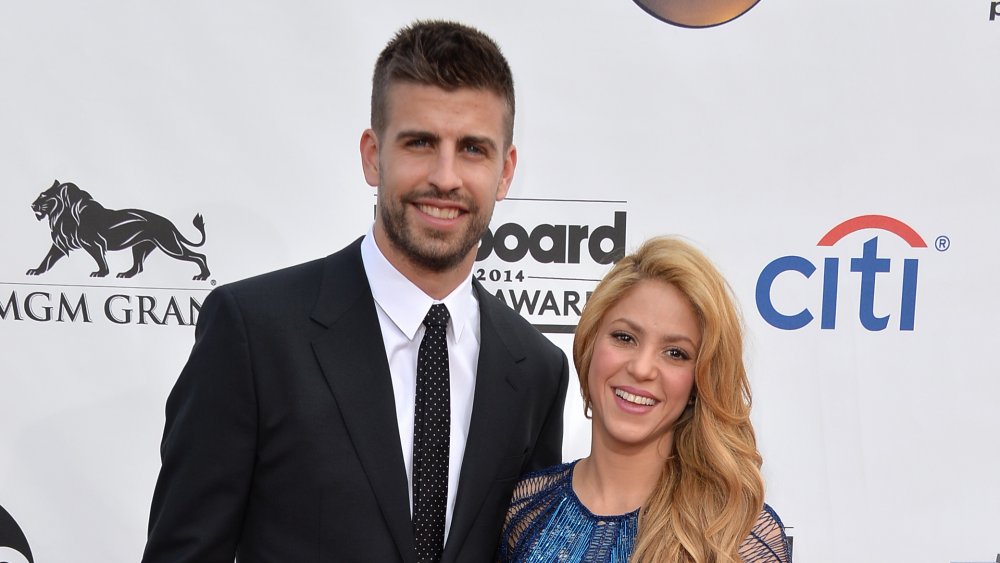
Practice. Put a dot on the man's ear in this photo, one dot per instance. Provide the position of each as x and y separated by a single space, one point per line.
369 157
507 174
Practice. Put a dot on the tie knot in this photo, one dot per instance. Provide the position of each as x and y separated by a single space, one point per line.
437 317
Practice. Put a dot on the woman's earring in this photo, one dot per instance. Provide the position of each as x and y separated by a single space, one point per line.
587 411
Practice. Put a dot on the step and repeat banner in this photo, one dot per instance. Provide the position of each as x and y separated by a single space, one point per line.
839 161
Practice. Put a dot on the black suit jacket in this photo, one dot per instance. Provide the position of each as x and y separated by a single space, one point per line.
281 442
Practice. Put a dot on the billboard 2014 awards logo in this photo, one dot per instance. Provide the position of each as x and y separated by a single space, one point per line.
543 257
77 221
879 282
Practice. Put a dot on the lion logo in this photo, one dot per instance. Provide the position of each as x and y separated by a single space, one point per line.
78 221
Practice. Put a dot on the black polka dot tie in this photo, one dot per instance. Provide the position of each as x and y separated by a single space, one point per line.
431 429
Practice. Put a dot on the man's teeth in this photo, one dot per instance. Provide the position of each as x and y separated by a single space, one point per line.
439 212
644 401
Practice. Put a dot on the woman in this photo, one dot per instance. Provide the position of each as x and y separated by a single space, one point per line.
674 473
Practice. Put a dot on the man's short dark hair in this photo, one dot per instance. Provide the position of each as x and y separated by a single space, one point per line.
445 54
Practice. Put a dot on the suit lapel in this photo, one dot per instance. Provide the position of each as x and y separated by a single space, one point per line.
352 358
493 410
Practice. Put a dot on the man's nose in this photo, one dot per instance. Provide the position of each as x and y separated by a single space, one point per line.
444 173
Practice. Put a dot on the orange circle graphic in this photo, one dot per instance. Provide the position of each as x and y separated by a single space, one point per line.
696 13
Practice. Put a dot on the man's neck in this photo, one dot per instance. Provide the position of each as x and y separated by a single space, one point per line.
436 284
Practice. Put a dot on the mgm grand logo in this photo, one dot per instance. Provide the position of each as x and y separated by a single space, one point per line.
77 221
117 308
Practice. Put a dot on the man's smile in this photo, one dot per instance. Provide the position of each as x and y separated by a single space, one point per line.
439 212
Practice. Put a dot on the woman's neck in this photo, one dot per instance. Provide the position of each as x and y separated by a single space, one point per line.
610 482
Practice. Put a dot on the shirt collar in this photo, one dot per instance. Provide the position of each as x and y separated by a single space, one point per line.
406 304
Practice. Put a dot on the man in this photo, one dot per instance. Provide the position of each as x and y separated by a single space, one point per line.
300 430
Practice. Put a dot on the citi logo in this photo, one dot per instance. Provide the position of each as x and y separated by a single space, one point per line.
867 266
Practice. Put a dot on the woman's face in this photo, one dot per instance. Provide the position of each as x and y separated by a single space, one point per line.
642 370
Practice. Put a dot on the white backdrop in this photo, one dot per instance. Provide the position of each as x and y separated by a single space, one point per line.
753 139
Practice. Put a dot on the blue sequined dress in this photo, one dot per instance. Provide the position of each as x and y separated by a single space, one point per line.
547 522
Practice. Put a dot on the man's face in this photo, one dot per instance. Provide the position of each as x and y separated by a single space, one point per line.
440 166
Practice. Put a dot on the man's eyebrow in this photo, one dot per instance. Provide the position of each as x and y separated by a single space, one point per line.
466 140
416 134
476 140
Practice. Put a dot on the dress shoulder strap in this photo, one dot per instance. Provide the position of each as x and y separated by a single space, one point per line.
767 542
532 496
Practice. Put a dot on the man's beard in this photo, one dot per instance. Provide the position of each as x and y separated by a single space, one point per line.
430 249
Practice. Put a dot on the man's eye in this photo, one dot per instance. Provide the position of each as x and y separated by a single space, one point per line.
474 149
418 143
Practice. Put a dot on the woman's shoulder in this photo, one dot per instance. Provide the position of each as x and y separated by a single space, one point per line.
542 481
561 469
533 495
767 542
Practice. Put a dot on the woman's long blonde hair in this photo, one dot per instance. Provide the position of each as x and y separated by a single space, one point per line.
711 491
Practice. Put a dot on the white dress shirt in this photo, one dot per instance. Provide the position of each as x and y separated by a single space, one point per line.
401 308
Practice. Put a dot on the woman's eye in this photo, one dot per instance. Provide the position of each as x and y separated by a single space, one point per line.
677 354
622 337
